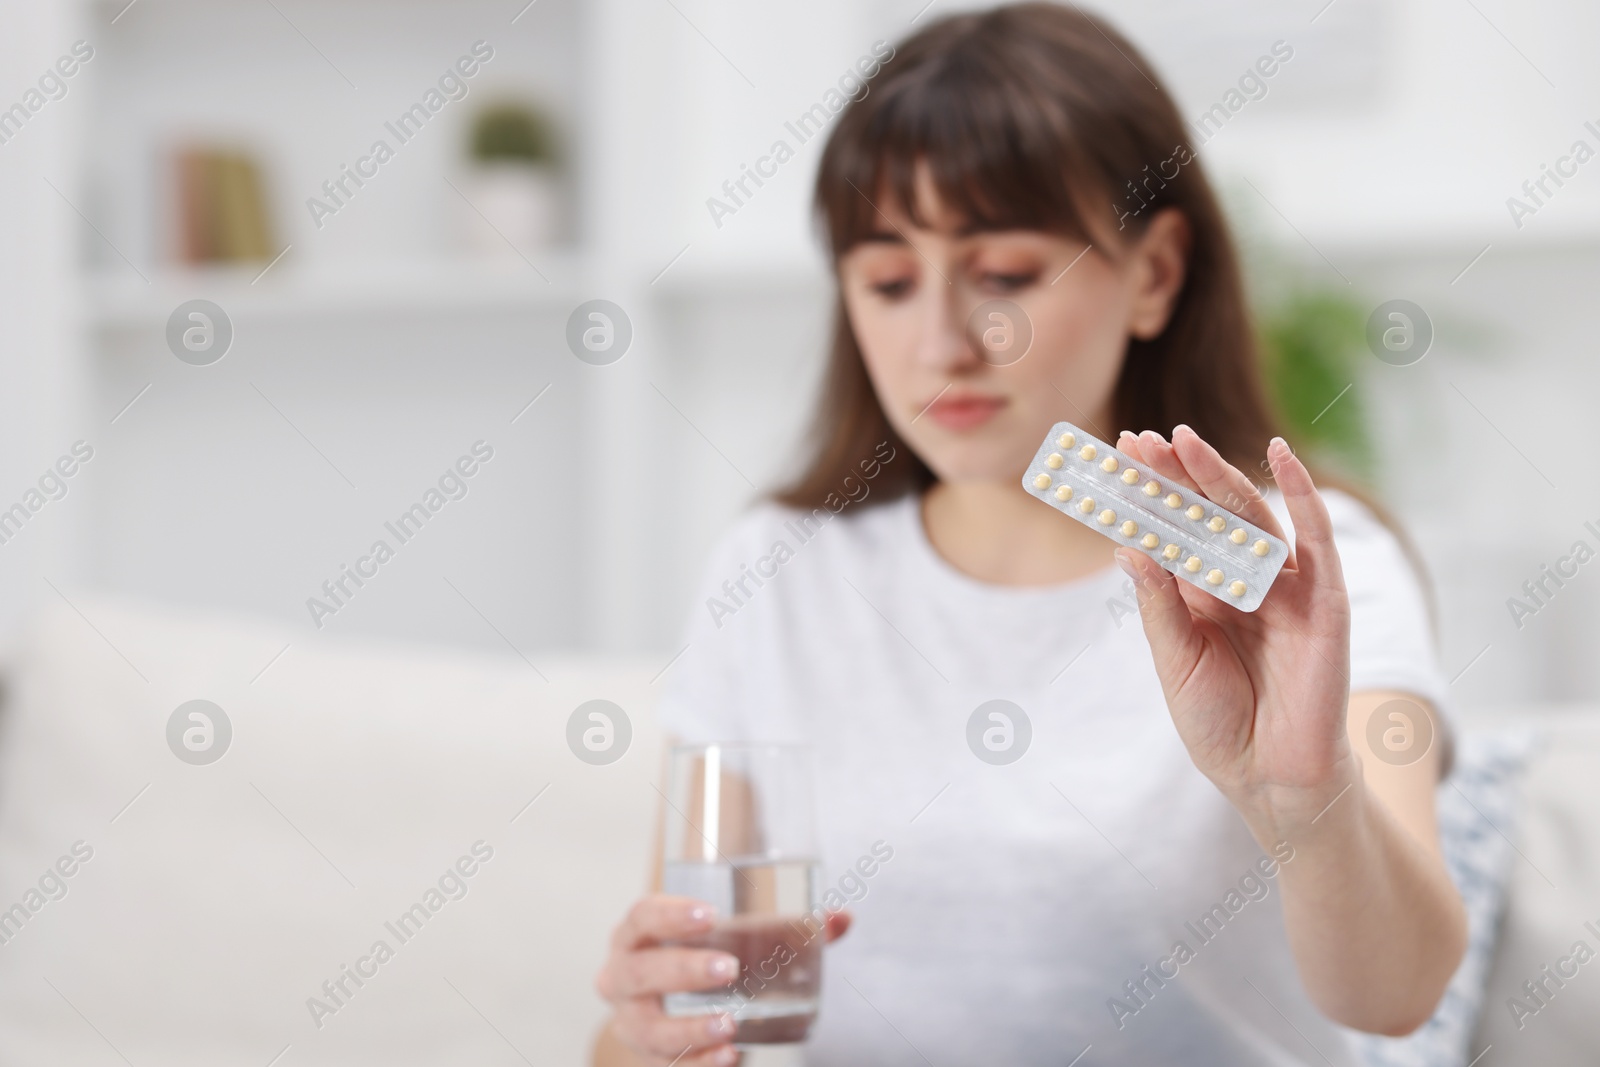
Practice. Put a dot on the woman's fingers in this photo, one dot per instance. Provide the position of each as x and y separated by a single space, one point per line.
1163 461
643 1026
1128 445
1168 621
648 971
721 1056
641 968
659 917
1313 553
1141 448
1224 484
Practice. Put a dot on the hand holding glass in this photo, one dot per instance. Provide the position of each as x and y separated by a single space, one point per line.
741 836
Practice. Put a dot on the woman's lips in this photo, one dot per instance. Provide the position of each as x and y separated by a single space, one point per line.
964 412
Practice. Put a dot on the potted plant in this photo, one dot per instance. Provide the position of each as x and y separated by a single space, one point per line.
513 181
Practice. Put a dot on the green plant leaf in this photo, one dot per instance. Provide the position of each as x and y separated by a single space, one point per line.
1312 345
512 131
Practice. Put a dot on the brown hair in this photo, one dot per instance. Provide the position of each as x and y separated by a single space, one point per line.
1025 114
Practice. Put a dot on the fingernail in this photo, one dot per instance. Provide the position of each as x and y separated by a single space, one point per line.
1181 426
728 1056
1278 441
702 913
720 1026
722 967
1126 564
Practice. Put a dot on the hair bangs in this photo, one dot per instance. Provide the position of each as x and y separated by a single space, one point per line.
999 158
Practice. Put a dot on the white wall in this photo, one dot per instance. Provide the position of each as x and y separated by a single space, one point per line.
1491 465
42 412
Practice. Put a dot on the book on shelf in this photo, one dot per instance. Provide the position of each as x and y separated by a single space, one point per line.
222 211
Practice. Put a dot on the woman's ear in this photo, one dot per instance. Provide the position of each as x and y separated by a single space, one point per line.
1159 264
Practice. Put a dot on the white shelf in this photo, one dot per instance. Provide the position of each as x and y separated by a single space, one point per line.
699 277
119 299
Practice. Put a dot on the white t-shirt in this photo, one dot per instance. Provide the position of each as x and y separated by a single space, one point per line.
1019 898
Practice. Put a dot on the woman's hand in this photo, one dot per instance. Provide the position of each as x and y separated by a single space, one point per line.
1258 698
639 969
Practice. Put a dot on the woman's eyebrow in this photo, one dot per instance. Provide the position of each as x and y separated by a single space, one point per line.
974 229
964 232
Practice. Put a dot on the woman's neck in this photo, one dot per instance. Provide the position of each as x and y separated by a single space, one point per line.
995 532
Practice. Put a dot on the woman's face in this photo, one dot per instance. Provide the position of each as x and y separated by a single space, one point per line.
947 363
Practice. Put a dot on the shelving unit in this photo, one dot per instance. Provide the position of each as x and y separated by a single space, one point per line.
383 344
118 301
306 88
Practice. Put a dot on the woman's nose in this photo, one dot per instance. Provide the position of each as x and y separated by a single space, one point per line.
947 344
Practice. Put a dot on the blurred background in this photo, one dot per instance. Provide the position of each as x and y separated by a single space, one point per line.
361 336
431 308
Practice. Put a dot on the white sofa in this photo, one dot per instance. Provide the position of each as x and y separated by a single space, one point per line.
219 898
220 901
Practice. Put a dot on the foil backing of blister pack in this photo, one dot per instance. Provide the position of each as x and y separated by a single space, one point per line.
1207 546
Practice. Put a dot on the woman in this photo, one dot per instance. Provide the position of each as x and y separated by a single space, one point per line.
1200 857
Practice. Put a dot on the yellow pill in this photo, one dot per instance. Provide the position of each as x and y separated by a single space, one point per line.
1237 588
1086 505
1192 564
1130 476
1041 481
1063 492
1195 512
1129 528
1238 535
1150 541
1152 488
1108 464
1066 440
1214 577
1216 524
1261 548
1054 461
1087 452
1174 500
1171 552
1107 517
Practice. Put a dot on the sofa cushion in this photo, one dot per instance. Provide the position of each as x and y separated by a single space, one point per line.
1555 904
208 902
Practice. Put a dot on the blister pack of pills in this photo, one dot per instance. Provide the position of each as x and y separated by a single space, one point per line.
1205 545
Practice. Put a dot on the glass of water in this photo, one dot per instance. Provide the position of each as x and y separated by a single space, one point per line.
741 835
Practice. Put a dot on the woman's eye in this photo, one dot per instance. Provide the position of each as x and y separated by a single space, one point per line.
1010 282
892 290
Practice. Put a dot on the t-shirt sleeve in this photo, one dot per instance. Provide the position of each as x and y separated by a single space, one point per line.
1392 643
703 694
